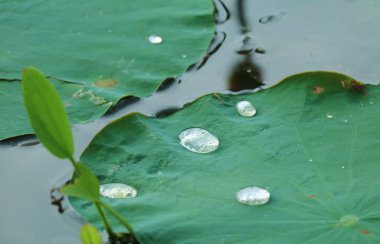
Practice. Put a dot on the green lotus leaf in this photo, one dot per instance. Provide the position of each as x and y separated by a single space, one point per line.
96 52
312 144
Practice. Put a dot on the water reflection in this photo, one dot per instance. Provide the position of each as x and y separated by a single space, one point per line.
246 75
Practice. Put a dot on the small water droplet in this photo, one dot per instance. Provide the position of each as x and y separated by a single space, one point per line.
198 140
154 39
371 102
109 31
244 44
184 56
253 195
246 109
329 116
345 120
342 167
117 190
310 160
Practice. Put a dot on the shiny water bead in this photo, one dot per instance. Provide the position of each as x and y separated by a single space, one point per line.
117 190
154 39
253 195
198 140
246 109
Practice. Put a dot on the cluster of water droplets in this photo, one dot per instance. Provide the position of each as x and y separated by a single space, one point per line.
199 140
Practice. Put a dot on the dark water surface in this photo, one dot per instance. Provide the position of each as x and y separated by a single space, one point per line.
285 37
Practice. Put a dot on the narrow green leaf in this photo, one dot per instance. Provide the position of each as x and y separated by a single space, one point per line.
90 235
85 186
46 113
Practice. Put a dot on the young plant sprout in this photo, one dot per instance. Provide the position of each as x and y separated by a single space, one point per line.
50 123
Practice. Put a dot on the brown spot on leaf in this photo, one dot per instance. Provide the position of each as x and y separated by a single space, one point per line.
312 196
358 86
364 232
318 90
105 83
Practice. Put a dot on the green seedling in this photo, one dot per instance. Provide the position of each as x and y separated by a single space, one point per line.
50 122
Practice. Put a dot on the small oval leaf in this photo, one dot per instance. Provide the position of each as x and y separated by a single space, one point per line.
90 235
46 113
85 186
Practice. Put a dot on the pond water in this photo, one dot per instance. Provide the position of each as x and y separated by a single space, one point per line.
273 38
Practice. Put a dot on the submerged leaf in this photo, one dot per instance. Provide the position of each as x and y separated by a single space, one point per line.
46 113
90 235
85 186
101 49
321 173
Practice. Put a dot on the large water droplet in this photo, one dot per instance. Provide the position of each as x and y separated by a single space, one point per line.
253 195
154 39
198 140
117 190
244 44
246 109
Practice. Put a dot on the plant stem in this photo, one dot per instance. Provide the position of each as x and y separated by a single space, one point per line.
74 163
120 219
105 220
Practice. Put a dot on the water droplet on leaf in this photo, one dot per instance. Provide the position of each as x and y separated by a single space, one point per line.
253 195
198 140
154 39
117 190
329 116
244 44
246 109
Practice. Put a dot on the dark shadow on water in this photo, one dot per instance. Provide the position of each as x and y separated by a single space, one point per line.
246 75
21 141
166 112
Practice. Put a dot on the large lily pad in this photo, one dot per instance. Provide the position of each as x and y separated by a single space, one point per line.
98 51
313 144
